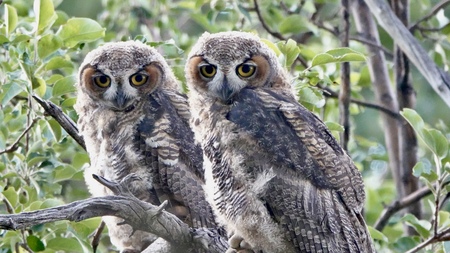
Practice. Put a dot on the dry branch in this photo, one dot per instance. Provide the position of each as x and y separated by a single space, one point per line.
437 78
65 122
136 213
398 205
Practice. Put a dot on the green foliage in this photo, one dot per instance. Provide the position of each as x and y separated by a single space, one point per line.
42 43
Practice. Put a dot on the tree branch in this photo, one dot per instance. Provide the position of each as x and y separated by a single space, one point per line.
15 145
437 78
136 213
398 205
264 24
65 122
332 94
439 6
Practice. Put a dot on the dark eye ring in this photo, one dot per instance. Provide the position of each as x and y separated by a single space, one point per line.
246 70
208 70
102 81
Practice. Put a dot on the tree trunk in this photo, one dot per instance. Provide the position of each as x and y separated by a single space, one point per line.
406 183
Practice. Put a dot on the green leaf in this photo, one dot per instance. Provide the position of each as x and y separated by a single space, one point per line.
444 219
35 243
272 46
55 129
40 86
58 62
293 24
79 30
436 141
290 51
404 244
377 235
10 18
45 14
64 244
423 227
333 126
337 55
11 195
64 86
48 44
311 96
51 203
9 91
63 173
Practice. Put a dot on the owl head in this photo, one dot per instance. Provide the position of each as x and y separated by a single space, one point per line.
222 64
117 75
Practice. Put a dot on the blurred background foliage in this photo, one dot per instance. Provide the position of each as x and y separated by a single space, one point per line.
43 42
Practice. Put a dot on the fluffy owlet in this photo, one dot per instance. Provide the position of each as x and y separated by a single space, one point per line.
275 175
134 120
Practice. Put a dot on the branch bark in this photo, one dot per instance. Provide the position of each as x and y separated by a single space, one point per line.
138 214
384 93
345 91
65 122
437 78
402 203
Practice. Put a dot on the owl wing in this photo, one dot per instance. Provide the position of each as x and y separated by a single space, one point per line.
317 193
173 160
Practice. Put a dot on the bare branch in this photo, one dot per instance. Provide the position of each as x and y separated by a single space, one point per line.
344 94
65 122
439 6
264 24
372 44
136 213
402 203
15 144
437 78
332 94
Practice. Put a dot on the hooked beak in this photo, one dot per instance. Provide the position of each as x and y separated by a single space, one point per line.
226 92
121 100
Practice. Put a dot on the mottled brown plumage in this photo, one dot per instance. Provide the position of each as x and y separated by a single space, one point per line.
134 120
275 175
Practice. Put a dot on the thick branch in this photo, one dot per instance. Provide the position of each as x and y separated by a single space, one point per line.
437 78
136 213
65 122
402 203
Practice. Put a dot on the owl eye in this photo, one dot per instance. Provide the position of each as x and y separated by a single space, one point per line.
208 70
138 79
246 70
102 81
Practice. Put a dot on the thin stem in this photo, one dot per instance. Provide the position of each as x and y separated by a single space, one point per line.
15 144
441 5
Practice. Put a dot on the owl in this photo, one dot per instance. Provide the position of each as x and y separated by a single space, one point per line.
275 176
134 120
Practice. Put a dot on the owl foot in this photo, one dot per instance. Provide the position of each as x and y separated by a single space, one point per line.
238 245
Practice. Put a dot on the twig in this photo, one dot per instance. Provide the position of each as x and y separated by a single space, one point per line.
441 5
138 214
372 44
65 122
263 23
442 236
97 235
332 94
398 205
15 144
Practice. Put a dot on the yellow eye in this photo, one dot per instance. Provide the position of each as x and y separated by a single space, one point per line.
102 81
246 70
208 70
138 79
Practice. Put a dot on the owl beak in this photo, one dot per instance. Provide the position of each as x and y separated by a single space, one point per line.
226 91
121 100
